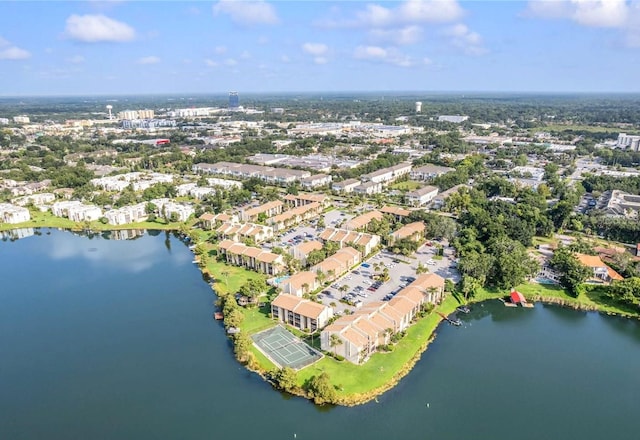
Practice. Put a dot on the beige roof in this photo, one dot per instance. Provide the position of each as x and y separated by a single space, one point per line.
207 216
252 251
226 244
267 257
308 246
263 208
403 305
367 328
300 306
326 234
301 278
310 309
354 337
426 281
395 210
363 220
413 294
287 302
409 230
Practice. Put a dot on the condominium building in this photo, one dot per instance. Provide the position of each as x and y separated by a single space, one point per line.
13 214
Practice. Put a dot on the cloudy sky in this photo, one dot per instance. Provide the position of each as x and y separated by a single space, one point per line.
128 47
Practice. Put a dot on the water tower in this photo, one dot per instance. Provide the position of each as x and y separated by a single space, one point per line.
418 107
109 107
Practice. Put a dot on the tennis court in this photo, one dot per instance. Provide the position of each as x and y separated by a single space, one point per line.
284 349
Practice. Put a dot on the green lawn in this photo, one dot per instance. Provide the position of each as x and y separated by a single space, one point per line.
256 319
595 298
48 220
235 278
408 185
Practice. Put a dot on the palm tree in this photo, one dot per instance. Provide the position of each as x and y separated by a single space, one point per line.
421 269
334 341
305 287
225 274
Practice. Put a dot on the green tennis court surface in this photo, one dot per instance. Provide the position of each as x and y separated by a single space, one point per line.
284 349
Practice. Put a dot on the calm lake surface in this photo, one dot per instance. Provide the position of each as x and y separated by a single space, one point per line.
109 339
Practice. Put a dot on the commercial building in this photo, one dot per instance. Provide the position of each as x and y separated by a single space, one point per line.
628 142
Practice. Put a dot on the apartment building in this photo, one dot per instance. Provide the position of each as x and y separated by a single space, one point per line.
251 257
413 231
429 172
316 181
244 231
302 199
127 214
294 216
337 264
346 186
422 196
388 175
345 237
76 211
300 284
267 210
13 214
302 314
373 325
361 222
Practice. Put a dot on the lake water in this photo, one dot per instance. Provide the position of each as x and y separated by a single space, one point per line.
107 339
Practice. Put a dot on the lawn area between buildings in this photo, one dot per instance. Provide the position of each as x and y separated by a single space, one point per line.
407 185
228 278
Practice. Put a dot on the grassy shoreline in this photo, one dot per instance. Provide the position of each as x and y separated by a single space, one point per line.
358 384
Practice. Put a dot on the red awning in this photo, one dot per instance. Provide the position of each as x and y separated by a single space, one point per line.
517 297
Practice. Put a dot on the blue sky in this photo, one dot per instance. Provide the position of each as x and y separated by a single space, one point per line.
130 47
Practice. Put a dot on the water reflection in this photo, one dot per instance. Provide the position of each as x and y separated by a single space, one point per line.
126 256
16 234
624 326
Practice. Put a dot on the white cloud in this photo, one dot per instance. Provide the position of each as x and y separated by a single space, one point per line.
220 50
320 60
408 12
98 28
407 35
245 55
230 62
592 13
247 12
149 60
10 52
465 39
76 59
379 54
622 15
316 49
210 63
285 59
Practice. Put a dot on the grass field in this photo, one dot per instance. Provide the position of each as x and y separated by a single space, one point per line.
227 278
48 220
256 320
408 185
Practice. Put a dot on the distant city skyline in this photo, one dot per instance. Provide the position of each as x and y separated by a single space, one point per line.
129 48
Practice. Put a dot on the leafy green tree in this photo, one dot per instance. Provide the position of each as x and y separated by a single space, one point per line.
321 389
286 379
253 289
512 265
573 272
627 291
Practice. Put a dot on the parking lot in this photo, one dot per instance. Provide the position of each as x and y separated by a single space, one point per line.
402 271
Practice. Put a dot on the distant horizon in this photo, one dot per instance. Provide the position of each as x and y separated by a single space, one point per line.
115 48
346 93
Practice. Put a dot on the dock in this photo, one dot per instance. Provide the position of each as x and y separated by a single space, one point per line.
455 322
218 316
